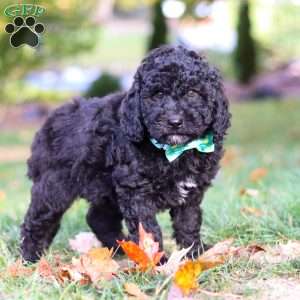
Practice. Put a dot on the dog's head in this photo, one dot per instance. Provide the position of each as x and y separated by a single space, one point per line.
176 97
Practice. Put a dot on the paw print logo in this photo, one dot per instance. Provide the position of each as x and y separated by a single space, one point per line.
24 32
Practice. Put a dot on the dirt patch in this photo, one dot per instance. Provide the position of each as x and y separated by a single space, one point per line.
275 289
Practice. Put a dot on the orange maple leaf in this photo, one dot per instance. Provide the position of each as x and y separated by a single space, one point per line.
146 255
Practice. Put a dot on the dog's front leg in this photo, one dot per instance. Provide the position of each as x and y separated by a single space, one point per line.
149 224
137 207
187 219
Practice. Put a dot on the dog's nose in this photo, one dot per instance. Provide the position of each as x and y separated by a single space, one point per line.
175 122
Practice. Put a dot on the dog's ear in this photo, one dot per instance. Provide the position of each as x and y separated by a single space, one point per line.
131 113
222 115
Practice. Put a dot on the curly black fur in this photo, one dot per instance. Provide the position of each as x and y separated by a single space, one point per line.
100 150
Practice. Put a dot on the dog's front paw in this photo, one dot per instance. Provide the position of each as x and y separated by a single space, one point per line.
197 250
30 257
31 252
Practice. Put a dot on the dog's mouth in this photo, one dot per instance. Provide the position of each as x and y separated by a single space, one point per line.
177 139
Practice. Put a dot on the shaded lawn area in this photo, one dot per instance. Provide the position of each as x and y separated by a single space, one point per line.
265 134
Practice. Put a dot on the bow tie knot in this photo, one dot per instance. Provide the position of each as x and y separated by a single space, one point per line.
203 144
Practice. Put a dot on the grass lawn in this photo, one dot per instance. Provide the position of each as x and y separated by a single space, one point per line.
265 134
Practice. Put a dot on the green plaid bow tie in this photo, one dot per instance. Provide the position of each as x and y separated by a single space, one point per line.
204 144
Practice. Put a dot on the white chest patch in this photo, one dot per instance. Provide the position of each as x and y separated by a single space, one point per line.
184 188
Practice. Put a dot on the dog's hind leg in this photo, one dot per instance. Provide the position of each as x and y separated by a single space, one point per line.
51 196
106 222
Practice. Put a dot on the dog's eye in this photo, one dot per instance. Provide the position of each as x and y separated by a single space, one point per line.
191 94
159 94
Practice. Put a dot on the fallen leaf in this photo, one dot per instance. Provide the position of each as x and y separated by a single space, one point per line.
222 248
217 254
186 277
147 243
187 274
209 263
44 269
17 269
98 255
175 293
133 290
251 211
146 255
230 155
257 174
136 254
84 241
278 254
249 192
70 273
98 264
94 266
248 251
171 266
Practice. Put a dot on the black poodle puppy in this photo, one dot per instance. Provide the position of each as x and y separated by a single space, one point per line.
131 155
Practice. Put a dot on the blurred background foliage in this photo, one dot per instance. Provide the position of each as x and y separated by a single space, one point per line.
68 32
104 85
83 39
245 56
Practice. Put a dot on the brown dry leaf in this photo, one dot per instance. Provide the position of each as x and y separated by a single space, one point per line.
133 290
248 251
70 273
257 174
84 241
209 263
217 255
98 264
249 192
221 249
173 263
247 210
94 266
98 255
44 269
17 269
278 254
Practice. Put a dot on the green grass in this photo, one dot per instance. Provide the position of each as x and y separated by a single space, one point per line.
263 134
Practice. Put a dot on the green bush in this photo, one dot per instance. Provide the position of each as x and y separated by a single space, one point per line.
104 85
